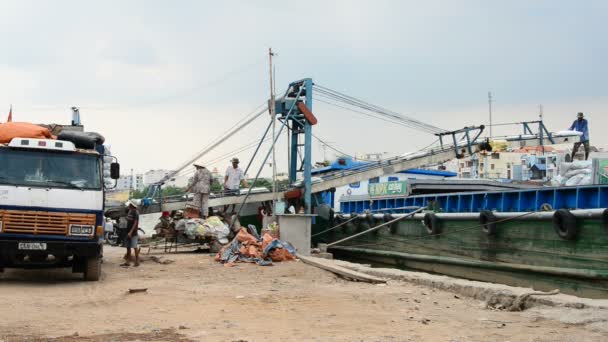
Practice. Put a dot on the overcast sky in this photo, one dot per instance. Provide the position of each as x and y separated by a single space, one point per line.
162 79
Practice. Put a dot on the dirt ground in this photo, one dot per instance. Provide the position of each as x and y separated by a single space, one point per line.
196 299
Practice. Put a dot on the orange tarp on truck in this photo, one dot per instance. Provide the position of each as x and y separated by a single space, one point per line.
11 130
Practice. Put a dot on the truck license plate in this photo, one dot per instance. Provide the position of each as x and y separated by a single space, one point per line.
32 246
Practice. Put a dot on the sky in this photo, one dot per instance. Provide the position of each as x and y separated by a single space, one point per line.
161 80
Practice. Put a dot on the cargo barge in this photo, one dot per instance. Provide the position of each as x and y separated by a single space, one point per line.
544 238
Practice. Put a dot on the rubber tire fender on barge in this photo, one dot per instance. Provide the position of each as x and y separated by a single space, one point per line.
605 220
387 217
432 223
487 220
565 224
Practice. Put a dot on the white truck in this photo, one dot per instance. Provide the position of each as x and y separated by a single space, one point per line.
52 205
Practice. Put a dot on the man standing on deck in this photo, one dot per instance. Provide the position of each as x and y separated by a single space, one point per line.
580 125
234 178
200 184
132 238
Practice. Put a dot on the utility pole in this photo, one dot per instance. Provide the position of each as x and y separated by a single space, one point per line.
490 111
274 119
540 116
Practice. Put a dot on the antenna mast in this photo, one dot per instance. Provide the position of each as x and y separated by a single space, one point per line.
490 111
272 109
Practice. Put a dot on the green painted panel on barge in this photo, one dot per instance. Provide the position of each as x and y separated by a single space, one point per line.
387 189
603 169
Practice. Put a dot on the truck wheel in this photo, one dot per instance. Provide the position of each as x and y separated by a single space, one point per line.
92 271
111 238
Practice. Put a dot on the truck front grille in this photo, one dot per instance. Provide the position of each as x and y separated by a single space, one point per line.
41 222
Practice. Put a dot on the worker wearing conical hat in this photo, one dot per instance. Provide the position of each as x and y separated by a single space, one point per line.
200 184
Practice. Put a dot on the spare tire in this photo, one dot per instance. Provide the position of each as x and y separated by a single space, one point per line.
84 140
565 224
487 220
432 223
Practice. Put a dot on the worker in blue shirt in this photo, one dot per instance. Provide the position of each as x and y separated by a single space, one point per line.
580 125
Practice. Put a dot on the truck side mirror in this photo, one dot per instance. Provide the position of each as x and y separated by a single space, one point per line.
114 170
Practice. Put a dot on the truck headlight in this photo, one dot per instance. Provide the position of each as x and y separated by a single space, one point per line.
81 230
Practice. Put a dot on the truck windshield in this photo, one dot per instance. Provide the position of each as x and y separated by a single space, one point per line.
49 169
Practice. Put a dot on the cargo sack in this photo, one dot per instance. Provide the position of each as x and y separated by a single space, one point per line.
84 140
11 130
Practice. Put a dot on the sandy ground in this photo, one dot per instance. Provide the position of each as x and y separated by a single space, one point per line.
196 299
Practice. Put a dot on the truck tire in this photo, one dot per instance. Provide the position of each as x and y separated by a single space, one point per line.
92 270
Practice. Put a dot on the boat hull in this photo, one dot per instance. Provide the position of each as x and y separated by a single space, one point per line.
522 252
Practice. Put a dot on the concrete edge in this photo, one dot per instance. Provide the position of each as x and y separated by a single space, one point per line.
488 292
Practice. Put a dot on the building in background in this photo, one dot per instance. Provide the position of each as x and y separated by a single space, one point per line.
130 182
155 176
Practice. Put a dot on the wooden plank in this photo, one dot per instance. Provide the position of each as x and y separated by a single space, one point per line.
341 271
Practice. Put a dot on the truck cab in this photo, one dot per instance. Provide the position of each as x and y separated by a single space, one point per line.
51 205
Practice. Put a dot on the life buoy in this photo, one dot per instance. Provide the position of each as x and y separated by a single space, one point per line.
565 224
487 220
432 223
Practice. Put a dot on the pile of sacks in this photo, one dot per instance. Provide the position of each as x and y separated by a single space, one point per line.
248 246
196 228
579 172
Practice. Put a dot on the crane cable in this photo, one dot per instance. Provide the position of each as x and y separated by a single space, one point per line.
413 123
232 131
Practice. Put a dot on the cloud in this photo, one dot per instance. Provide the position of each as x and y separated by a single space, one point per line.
169 77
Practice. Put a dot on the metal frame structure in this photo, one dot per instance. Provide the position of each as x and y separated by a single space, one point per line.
542 130
301 133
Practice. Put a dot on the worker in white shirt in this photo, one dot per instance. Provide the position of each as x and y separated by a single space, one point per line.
234 178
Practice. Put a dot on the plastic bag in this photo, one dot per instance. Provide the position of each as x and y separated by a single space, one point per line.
11 130
564 168
214 227
557 181
586 180
575 172
575 180
581 164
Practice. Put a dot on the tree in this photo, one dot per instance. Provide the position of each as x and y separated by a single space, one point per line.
166 192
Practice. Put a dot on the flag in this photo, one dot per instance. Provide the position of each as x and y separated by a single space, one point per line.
10 115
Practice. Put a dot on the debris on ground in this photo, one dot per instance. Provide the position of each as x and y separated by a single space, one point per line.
248 246
138 290
342 271
509 303
161 260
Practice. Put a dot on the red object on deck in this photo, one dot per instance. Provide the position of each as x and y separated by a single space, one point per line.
310 117
293 194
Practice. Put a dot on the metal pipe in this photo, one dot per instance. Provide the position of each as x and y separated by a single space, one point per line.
541 215
376 227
